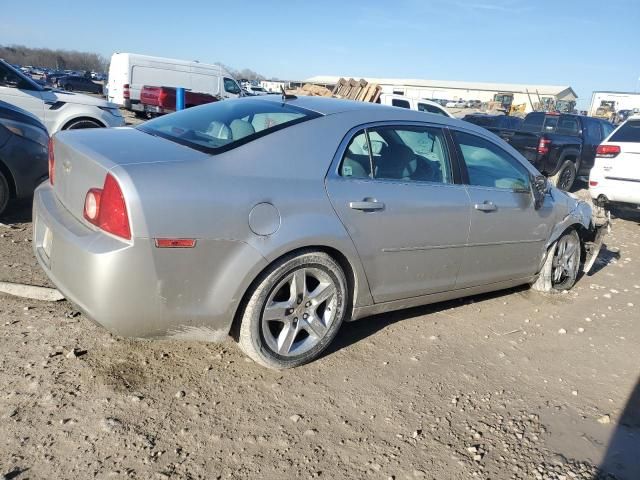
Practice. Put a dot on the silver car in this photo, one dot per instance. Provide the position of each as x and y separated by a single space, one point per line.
275 219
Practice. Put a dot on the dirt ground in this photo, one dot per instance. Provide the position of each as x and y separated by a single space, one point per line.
513 385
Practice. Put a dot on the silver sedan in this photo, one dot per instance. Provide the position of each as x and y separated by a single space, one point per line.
275 219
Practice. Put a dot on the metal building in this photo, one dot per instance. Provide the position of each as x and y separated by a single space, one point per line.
534 97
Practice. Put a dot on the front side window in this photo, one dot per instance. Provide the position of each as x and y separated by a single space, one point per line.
569 126
593 132
425 107
490 166
220 126
607 128
231 86
405 153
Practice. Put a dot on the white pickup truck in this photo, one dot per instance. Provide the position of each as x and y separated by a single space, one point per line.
419 104
56 109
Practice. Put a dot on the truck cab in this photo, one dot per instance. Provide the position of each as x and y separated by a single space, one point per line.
561 146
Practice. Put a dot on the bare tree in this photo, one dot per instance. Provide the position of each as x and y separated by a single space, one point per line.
58 59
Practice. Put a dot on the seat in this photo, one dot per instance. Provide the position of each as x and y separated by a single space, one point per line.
241 129
353 168
395 163
219 130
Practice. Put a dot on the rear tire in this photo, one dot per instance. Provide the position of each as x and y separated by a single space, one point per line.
82 123
560 269
5 193
565 177
294 310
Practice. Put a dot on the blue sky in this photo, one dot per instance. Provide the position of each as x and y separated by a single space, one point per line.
588 44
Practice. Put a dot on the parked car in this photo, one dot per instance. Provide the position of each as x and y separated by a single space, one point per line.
502 125
615 176
129 72
57 110
256 90
52 78
473 104
198 223
561 146
80 84
23 153
456 104
421 105
161 100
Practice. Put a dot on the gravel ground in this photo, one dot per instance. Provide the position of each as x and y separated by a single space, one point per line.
512 385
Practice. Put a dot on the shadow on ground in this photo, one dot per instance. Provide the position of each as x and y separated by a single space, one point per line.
622 458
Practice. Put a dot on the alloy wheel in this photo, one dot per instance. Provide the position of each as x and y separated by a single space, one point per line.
566 260
299 311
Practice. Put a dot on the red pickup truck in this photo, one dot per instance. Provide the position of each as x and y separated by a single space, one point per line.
161 100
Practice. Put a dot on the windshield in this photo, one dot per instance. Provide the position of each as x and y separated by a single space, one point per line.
221 126
13 77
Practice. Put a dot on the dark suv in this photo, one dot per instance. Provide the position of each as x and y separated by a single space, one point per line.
80 84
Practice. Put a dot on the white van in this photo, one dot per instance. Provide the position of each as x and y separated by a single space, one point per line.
129 72
395 100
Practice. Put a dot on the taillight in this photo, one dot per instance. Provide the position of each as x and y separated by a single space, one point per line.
607 151
105 208
52 162
162 97
543 146
593 183
125 91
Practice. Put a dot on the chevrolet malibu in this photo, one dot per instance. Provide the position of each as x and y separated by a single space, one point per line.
275 219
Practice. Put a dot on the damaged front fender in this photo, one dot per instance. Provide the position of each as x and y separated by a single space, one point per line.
593 222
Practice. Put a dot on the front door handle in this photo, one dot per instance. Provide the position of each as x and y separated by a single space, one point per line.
367 205
486 206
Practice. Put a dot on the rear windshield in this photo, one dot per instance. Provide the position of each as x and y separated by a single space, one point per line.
221 126
484 121
628 132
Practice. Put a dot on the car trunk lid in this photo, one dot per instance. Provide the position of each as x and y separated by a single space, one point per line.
84 157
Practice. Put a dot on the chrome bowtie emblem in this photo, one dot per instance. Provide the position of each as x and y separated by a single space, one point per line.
67 166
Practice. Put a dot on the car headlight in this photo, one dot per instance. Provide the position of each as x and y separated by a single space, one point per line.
112 110
27 131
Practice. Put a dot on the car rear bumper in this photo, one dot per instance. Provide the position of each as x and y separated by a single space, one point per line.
136 290
615 189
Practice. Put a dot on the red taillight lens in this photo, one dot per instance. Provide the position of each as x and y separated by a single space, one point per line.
593 183
607 151
125 91
543 146
52 171
106 209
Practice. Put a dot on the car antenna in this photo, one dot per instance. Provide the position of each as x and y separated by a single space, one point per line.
286 96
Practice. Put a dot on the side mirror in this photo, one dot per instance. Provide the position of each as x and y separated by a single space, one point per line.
539 188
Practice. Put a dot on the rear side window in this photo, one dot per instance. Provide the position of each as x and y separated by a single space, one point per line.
396 102
220 126
405 153
533 122
628 132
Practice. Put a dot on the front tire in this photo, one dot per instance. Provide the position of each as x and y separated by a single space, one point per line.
560 269
294 310
565 177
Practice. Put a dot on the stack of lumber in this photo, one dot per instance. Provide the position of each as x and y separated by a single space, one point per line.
350 89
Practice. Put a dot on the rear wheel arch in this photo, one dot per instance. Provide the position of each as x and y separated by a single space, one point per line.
335 254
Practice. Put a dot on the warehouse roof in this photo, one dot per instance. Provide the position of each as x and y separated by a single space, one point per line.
556 90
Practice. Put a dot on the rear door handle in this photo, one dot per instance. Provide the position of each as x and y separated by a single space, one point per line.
485 206
367 204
